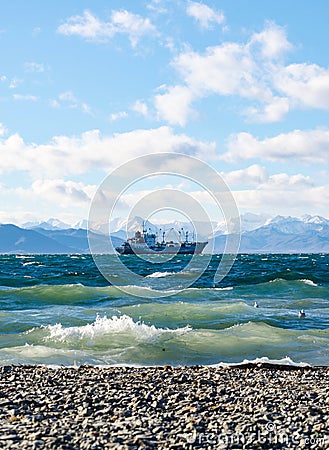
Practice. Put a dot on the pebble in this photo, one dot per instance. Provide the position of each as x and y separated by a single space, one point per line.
163 407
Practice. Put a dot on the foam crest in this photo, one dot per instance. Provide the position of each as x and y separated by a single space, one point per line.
160 274
33 263
264 360
309 282
109 326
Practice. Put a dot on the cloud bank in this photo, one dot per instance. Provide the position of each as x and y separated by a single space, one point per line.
89 27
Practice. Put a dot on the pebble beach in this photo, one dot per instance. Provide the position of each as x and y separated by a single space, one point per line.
248 406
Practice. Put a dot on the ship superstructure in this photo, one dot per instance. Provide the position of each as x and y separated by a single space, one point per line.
147 242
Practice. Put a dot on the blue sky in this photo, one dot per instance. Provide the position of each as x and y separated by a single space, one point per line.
86 86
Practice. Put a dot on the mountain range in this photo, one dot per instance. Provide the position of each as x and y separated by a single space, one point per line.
259 234
309 234
14 239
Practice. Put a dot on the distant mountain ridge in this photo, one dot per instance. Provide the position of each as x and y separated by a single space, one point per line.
16 240
259 234
309 234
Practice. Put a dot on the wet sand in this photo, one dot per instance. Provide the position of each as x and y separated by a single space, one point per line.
251 406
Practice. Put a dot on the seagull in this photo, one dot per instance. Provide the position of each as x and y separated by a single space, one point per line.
255 305
301 314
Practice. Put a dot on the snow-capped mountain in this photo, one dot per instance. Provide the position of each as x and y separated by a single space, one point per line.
315 220
130 225
295 225
259 234
50 224
81 225
248 222
308 234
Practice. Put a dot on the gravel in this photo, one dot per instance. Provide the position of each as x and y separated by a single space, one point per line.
251 406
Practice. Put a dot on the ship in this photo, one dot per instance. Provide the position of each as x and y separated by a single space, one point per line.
147 242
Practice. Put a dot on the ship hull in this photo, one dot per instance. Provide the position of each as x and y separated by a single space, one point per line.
184 249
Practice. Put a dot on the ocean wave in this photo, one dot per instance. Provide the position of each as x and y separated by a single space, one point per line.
264 360
49 356
266 294
109 326
24 257
57 357
160 274
33 263
122 340
309 282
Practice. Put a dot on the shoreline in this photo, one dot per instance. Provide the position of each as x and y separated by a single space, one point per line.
253 405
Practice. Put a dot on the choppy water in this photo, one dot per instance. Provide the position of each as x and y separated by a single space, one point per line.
57 309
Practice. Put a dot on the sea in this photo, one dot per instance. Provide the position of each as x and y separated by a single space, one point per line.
59 310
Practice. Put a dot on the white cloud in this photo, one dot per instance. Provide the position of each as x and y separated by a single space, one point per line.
303 146
254 71
34 67
284 201
14 83
224 69
175 105
140 107
68 200
3 78
86 26
54 103
158 6
67 99
63 193
85 108
3 129
68 96
122 22
133 25
65 155
204 14
118 115
251 176
27 97
272 41
271 112
254 190
227 69
36 31
258 177
287 182
305 84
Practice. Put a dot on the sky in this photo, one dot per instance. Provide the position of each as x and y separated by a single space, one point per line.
86 86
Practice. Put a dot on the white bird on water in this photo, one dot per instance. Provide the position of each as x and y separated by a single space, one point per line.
301 313
255 305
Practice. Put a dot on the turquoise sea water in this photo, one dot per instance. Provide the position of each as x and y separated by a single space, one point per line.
58 309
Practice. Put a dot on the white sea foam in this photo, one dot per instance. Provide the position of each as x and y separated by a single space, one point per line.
24 256
103 326
160 274
277 280
228 288
209 289
265 360
309 282
33 263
